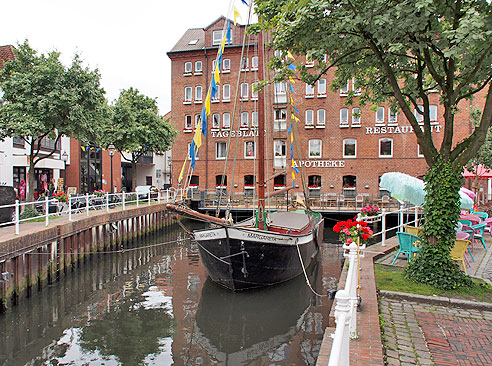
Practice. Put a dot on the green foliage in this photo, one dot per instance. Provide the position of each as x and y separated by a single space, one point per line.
433 264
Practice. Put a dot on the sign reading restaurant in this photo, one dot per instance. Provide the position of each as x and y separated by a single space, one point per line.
398 129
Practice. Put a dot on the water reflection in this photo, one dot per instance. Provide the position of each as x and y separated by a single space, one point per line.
155 306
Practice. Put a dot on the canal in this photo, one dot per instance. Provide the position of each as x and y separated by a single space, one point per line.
151 303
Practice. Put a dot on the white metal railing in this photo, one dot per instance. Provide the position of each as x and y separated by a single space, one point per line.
348 298
50 208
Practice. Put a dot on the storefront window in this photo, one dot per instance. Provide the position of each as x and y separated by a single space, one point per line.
90 169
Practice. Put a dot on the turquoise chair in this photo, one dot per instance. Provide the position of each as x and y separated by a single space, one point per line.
406 241
478 231
483 215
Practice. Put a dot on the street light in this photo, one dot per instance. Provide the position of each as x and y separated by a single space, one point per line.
65 159
111 151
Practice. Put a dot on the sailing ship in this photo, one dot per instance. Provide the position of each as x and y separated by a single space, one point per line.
270 247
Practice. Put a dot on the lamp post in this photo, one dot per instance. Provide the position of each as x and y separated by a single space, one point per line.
65 159
111 151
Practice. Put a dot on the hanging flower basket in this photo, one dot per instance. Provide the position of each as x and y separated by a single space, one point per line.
353 231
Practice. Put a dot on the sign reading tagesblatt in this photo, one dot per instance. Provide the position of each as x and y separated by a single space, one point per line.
240 133
381 130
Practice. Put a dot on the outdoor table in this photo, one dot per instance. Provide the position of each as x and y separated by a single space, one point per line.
462 235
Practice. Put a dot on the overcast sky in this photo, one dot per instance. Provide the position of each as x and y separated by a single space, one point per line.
126 40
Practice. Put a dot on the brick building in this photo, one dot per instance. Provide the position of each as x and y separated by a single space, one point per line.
341 149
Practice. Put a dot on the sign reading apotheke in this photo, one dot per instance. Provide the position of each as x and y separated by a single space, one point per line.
320 163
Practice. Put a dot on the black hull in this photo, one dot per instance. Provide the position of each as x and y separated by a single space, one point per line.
243 258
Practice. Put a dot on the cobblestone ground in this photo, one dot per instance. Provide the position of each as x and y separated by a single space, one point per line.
424 334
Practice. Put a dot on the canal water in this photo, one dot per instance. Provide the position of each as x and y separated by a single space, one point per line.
152 304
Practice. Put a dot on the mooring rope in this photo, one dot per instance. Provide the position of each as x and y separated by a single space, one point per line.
305 274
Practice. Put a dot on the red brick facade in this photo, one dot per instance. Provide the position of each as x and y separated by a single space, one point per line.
367 165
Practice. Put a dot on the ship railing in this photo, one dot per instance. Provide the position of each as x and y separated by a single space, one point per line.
46 209
348 299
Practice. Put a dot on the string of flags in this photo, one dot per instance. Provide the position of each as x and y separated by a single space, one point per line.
201 127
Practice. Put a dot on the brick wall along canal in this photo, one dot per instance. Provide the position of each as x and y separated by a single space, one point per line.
154 305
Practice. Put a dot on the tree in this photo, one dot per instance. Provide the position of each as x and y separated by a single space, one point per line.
137 128
44 99
403 51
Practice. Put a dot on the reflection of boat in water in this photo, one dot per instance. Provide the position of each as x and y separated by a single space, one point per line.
235 328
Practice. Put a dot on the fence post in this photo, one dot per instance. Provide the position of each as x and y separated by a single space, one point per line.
383 227
159 196
47 210
107 202
137 199
123 201
87 204
69 208
17 218
148 198
339 355
401 219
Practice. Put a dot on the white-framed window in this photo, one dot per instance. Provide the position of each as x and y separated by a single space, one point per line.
322 88
188 94
198 94
321 117
420 154
357 91
197 152
254 91
280 119
226 65
217 37
433 113
244 64
356 116
254 119
309 61
386 148
188 66
198 118
380 115
344 116
244 91
244 119
419 116
226 120
220 150
188 123
226 93
392 116
345 89
249 149
349 148
198 67
280 92
309 117
309 91
214 64
315 149
254 63
216 98
279 148
216 120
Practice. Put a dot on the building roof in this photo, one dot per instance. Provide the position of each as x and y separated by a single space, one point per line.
6 54
193 39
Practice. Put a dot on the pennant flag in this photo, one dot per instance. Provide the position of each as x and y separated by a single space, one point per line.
216 75
292 89
290 55
207 100
236 14
204 121
197 139
192 154
290 129
180 178
291 80
297 110
244 2
291 101
293 175
292 66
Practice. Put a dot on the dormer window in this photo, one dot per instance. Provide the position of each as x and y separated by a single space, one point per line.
217 37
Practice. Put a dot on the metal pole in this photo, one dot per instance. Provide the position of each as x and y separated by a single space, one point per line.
87 204
17 230
112 188
47 210
383 227
69 208
123 201
107 202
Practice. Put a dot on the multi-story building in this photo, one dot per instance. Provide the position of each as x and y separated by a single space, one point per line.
339 148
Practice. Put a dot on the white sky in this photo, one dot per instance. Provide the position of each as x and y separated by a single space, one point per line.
126 40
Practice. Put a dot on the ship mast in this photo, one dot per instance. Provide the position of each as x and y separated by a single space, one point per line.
261 138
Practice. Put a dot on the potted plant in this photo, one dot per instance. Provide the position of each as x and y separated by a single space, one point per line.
353 231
